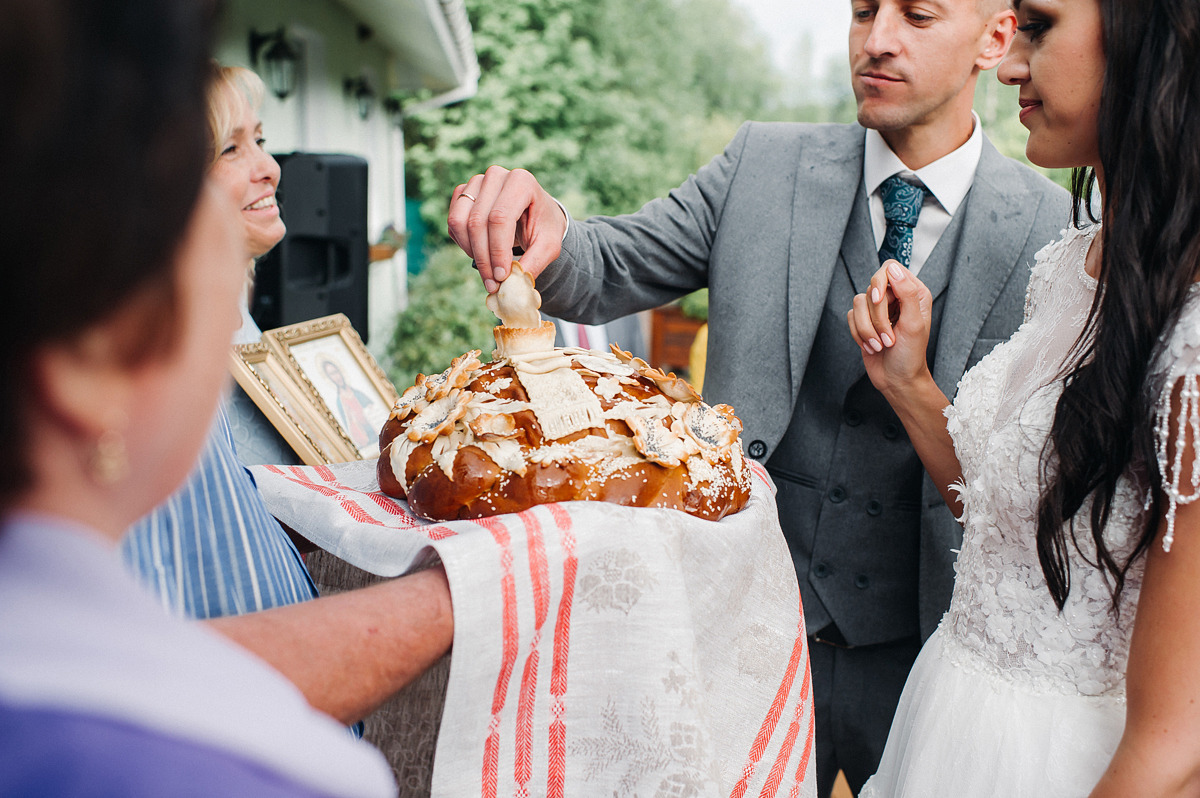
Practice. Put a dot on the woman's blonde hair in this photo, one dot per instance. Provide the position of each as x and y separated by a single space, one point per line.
228 92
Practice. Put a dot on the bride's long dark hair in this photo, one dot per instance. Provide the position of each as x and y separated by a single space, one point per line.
1149 141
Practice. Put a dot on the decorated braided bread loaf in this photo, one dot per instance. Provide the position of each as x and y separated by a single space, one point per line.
540 424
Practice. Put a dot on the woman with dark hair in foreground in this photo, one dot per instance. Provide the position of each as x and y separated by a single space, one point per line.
213 551
122 275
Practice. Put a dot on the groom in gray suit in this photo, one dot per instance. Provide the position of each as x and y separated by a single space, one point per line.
784 228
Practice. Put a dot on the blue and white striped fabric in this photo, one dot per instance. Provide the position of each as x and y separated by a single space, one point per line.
212 549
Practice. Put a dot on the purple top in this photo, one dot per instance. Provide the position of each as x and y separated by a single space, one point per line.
109 757
102 693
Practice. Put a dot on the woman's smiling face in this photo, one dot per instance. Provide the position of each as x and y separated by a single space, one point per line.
249 176
1057 59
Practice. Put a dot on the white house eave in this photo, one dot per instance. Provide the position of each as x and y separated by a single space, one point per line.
431 40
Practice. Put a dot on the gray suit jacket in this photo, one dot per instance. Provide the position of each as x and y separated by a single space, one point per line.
761 225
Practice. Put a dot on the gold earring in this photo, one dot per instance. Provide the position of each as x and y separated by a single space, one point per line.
109 463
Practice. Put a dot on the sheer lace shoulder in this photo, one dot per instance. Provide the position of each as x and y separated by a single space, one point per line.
1057 302
1177 374
1048 260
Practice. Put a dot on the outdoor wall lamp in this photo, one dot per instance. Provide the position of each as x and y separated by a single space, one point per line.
394 109
363 94
280 59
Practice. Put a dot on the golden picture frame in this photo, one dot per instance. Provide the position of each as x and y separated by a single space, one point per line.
328 357
292 408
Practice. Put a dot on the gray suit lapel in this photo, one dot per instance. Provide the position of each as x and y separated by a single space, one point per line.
935 272
858 245
998 214
828 177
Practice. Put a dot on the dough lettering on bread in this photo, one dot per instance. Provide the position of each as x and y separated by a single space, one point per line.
541 424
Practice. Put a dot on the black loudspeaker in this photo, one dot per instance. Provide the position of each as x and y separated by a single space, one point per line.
321 265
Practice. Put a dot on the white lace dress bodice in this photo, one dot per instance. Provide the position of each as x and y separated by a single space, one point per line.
1011 697
1002 613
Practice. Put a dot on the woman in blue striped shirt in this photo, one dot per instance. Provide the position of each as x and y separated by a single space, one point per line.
213 551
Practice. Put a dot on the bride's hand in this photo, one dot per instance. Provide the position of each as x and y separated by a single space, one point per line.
890 323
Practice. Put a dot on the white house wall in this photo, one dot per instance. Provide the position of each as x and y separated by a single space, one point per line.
319 117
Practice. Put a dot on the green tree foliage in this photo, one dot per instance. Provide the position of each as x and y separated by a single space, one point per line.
446 316
695 305
609 103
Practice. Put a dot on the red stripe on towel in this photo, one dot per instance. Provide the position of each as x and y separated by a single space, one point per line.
491 758
540 585
556 775
767 730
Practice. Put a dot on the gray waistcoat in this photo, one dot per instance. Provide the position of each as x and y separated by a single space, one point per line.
849 481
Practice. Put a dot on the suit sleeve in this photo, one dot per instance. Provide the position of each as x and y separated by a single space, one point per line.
613 266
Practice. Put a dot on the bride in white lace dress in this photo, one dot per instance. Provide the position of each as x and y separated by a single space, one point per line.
1068 663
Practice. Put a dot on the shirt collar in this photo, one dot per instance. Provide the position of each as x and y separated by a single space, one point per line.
948 178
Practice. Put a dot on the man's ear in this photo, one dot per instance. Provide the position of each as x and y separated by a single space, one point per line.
996 38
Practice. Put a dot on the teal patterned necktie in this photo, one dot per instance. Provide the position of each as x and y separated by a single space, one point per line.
902 203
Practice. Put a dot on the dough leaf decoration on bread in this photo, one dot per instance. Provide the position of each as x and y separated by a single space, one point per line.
543 424
516 301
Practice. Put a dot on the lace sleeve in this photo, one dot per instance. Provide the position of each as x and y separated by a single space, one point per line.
1177 418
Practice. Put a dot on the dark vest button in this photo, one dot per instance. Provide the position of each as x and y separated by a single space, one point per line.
820 570
891 431
837 495
874 507
853 418
756 449
862 582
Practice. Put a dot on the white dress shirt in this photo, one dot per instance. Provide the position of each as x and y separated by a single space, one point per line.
948 179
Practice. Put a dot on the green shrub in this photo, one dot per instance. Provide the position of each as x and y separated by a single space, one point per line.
446 316
695 305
